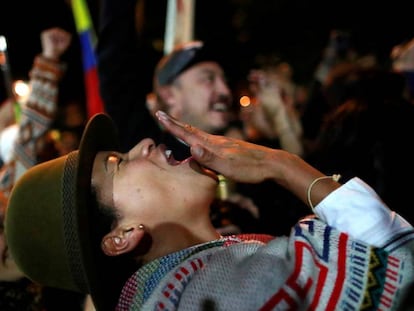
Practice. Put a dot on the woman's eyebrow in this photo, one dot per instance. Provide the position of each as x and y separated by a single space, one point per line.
107 159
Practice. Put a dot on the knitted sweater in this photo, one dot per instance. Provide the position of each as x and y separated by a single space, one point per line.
357 256
316 268
36 119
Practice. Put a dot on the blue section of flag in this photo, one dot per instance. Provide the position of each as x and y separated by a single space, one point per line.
88 53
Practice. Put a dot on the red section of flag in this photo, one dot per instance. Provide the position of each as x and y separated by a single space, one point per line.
93 98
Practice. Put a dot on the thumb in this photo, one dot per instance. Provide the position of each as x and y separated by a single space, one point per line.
198 153
205 158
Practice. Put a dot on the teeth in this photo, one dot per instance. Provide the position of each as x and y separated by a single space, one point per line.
168 153
220 107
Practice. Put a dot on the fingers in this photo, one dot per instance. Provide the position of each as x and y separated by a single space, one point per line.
187 133
55 41
231 157
195 138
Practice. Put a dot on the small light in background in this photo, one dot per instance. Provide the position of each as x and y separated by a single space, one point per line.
21 89
55 134
245 101
3 44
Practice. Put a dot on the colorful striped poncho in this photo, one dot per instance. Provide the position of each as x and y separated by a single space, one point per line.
316 268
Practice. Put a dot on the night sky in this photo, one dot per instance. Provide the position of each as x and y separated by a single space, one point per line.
296 30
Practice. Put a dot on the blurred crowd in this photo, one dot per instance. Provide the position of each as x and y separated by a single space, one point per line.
355 117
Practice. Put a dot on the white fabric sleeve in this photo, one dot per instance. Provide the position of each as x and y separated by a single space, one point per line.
7 139
355 208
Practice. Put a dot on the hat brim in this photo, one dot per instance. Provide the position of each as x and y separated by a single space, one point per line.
54 225
105 275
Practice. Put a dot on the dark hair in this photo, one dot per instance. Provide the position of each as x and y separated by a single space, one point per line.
104 218
104 215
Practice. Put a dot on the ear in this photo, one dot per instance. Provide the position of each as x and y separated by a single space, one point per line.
165 92
152 103
122 240
168 96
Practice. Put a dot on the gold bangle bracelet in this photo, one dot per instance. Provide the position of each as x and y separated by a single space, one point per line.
334 177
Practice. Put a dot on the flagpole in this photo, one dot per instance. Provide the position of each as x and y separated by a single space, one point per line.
185 21
170 26
179 24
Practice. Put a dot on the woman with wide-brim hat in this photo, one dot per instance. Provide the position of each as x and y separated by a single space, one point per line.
133 229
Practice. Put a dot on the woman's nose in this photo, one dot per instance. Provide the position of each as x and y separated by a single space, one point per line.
141 149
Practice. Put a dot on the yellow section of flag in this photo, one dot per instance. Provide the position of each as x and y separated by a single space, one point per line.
81 15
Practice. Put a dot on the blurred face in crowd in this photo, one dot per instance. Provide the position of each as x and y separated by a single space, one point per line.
200 96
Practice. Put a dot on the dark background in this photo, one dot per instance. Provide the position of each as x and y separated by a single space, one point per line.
295 30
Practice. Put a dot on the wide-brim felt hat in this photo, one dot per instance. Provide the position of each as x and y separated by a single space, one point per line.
51 222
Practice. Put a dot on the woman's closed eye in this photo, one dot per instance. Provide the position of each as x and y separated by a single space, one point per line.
113 162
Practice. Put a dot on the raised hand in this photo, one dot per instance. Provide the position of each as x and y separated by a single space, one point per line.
55 42
236 159
249 163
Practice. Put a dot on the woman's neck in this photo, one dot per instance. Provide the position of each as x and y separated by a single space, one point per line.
173 237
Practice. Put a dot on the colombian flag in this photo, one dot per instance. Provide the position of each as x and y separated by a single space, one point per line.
87 38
